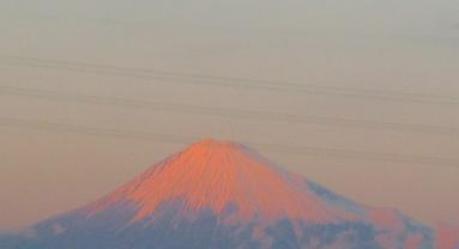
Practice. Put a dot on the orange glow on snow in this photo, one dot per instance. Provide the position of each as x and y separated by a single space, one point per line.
387 218
213 174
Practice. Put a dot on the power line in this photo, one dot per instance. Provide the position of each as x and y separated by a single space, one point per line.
224 81
70 128
226 112
168 138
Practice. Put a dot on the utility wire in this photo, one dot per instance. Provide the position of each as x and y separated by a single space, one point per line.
168 138
225 112
70 128
223 81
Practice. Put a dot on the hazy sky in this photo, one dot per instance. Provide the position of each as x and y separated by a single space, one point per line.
391 67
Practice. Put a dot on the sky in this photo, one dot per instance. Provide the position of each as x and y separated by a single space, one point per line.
361 96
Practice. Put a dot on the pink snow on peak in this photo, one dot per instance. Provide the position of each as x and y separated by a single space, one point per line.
215 174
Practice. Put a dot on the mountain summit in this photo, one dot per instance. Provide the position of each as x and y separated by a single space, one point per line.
219 176
223 195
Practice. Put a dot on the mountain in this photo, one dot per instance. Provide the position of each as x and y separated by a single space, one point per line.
223 195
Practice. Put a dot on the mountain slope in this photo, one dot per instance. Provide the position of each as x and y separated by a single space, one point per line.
224 195
216 175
